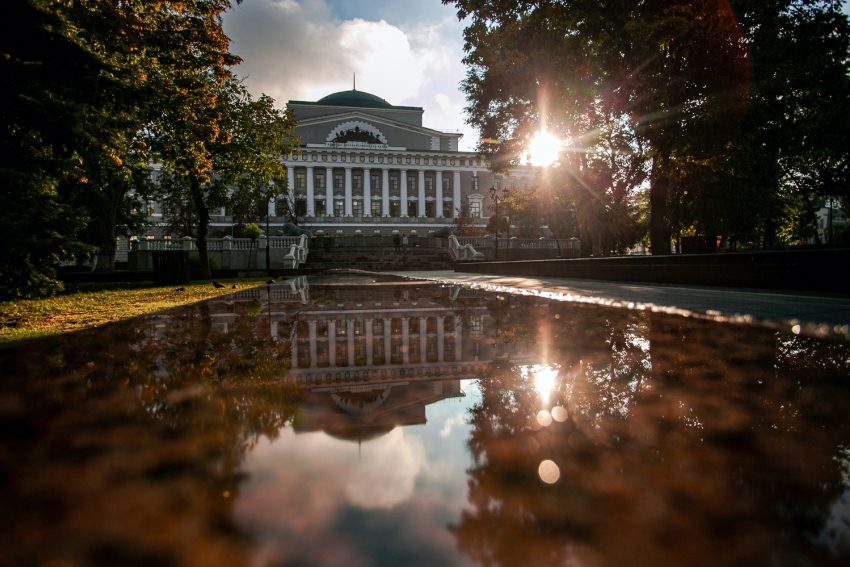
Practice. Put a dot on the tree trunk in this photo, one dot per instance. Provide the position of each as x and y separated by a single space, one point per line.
111 196
659 241
203 226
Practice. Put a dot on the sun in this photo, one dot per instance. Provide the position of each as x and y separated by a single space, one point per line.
543 149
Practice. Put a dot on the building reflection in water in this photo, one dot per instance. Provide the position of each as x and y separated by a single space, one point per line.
370 358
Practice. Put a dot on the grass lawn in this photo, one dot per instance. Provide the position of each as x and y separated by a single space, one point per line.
87 305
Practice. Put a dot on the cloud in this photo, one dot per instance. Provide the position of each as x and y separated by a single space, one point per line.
300 50
449 423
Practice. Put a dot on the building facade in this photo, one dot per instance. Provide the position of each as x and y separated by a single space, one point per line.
366 165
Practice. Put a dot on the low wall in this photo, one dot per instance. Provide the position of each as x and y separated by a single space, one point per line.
812 270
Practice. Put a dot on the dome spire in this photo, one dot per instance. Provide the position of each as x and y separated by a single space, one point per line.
354 80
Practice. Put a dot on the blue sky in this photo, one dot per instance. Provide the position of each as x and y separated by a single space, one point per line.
406 51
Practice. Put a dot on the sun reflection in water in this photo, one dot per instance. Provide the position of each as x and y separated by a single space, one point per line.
543 377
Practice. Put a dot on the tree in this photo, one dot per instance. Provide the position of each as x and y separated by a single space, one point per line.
674 77
464 224
245 159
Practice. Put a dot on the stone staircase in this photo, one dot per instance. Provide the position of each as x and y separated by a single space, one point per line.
380 259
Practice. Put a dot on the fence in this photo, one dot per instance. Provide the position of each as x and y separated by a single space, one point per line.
229 253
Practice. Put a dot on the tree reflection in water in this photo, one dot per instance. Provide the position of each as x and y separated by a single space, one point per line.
687 442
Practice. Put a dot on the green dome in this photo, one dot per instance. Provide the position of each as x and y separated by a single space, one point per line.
354 98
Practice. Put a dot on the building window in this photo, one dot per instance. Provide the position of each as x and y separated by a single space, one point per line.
475 209
394 182
411 208
475 323
378 326
448 324
429 183
414 326
320 180
448 348
340 328
475 183
357 208
322 328
448 209
339 207
376 181
300 208
395 209
431 324
357 181
411 182
320 207
378 350
429 210
342 354
446 183
396 326
376 208
300 180
359 327
497 182
414 350
339 181
431 349
360 352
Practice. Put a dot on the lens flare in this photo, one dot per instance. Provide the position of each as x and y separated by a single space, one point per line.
549 472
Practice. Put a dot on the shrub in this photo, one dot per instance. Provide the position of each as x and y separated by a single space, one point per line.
252 231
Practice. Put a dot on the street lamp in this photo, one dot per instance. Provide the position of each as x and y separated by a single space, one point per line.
494 194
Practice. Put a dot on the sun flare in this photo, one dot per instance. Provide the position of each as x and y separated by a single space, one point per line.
543 149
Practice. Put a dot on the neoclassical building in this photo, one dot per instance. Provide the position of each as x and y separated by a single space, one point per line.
369 165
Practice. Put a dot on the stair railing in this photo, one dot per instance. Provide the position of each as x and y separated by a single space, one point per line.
462 252
297 253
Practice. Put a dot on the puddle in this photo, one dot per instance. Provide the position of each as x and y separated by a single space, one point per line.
346 421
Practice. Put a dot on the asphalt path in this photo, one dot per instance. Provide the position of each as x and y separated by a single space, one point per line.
810 312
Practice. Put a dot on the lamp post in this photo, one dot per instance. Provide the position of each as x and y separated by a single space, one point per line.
494 194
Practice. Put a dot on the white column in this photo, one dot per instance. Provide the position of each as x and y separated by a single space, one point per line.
294 346
311 201
423 339
369 345
405 340
421 184
439 182
385 192
456 192
458 337
313 338
329 191
348 211
367 192
441 339
349 330
290 179
387 341
332 342
404 192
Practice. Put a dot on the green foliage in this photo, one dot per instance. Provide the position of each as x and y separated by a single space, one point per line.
252 231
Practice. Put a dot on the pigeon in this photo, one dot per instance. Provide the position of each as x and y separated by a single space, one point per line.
271 282
179 289
217 285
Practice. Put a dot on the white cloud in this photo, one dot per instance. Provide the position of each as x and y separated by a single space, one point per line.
449 423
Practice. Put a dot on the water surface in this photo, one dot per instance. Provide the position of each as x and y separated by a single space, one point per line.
358 422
